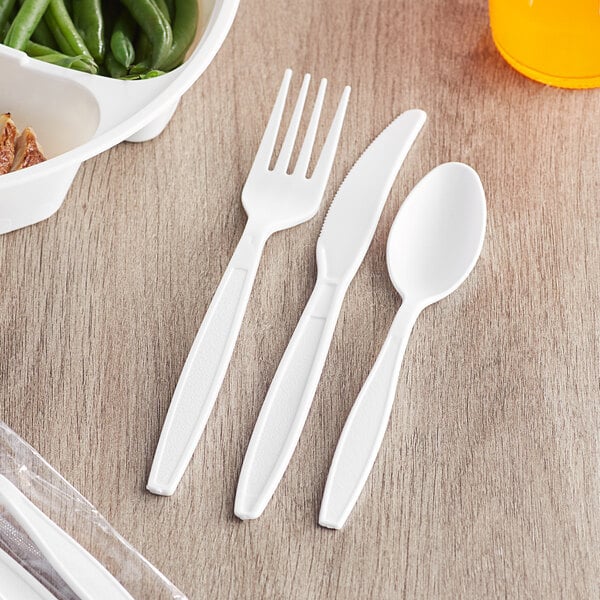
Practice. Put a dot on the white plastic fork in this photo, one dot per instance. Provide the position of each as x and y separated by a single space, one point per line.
274 200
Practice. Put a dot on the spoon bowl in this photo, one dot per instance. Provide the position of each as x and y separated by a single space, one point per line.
438 234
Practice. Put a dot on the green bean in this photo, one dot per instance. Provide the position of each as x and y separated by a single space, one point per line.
155 26
6 7
143 47
25 23
110 12
4 29
121 40
88 19
171 8
113 66
151 74
184 31
143 53
81 63
42 34
62 28
59 39
82 34
164 9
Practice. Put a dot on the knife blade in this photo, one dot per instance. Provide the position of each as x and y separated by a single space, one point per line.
354 213
345 237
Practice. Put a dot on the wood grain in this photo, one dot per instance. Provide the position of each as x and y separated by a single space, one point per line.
488 481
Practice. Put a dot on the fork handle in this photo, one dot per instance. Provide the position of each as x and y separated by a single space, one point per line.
288 401
206 365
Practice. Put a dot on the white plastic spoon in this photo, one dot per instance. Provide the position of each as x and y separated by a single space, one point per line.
433 245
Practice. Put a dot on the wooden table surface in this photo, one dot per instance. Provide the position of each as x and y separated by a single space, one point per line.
488 481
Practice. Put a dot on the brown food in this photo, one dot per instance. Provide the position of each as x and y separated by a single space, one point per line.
27 150
17 151
8 134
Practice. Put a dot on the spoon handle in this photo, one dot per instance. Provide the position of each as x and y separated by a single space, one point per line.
205 366
365 427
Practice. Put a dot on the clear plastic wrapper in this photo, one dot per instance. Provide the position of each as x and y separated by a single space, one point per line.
39 482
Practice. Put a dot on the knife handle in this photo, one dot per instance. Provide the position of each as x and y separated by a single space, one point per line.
78 568
18 584
365 427
205 366
288 401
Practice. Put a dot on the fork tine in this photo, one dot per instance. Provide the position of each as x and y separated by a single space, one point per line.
323 167
309 139
290 137
265 150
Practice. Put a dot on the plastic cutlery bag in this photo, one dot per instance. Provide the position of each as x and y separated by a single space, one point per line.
41 484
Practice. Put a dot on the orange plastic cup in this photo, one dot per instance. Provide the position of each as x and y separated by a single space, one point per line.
553 41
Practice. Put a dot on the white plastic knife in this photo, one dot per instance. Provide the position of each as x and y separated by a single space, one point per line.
18 584
78 568
347 232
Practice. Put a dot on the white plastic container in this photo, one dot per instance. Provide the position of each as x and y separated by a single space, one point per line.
77 115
